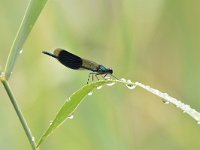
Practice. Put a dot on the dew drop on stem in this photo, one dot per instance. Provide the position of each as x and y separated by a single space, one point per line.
20 51
50 122
33 138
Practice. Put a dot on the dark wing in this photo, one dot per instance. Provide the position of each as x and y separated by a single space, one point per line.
68 59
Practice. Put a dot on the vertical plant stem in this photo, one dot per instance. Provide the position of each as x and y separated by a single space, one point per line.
19 113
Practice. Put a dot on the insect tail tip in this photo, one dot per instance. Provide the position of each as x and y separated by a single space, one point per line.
45 52
49 53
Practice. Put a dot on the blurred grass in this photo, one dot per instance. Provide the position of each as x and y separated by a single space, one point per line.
154 42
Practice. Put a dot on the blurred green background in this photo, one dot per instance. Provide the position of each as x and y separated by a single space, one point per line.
155 42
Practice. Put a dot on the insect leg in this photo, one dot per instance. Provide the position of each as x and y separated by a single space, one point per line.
96 76
88 78
92 76
105 76
114 76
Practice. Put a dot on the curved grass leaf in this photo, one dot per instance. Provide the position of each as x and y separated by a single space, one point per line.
69 107
32 12
76 98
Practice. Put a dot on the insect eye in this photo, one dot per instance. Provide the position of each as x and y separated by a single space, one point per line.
110 70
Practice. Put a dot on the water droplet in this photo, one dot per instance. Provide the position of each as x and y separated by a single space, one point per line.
110 84
123 80
184 111
148 87
50 122
131 86
33 138
99 87
165 94
166 102
107 78
129 81
155 91
20 51
90 93
70 117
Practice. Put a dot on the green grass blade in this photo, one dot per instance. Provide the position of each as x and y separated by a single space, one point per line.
69 107
32 12
76 98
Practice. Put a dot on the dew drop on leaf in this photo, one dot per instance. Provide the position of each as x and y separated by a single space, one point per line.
166 102
99 87
90 93
110 84
70 117
107 78
130 86
123 80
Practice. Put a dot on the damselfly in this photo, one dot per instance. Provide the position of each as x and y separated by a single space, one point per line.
75 62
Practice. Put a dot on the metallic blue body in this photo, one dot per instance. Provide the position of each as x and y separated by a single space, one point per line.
99 70
102 69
